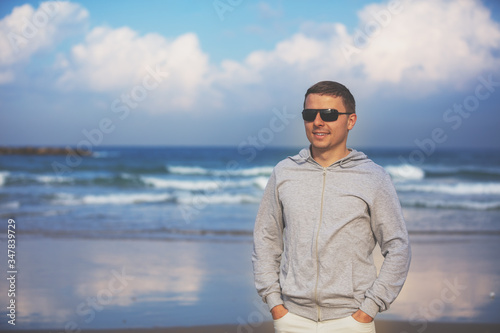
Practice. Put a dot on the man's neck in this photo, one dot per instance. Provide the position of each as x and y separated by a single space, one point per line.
325 158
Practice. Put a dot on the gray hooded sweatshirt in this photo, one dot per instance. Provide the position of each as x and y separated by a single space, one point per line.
315 233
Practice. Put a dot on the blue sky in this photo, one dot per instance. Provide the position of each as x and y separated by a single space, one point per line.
424 73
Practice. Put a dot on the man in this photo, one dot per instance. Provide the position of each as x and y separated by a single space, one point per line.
321 215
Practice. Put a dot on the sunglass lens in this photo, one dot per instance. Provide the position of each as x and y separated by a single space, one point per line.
309 115
329 115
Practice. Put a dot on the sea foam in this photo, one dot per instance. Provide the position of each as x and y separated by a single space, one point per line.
189 185
10 205
405 172
68 199
124 199
466 204
453 189
46 179
3 177
199 185
199 171
261 182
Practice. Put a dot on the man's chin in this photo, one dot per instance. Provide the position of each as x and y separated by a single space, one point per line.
320 145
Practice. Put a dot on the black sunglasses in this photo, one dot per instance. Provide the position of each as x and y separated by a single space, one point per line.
325 114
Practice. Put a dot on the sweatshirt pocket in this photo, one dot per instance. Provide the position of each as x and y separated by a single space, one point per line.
336 285
297 284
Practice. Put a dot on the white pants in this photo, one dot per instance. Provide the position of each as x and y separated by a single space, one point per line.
292 323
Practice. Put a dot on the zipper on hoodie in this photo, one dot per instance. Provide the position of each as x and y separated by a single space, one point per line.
317 238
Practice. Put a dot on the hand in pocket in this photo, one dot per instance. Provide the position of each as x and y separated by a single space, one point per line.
279 311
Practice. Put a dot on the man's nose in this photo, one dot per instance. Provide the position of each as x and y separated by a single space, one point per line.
318 121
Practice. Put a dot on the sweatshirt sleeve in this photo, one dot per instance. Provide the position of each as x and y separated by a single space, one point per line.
389 228
268 245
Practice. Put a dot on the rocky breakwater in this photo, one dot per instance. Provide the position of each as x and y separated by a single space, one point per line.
41 151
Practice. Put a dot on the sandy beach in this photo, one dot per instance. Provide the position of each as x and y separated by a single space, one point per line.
135 285
267 327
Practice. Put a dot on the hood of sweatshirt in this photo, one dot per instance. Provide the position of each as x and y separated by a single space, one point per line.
354 158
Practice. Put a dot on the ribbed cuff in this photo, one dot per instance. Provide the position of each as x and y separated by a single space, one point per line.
273 299
369 307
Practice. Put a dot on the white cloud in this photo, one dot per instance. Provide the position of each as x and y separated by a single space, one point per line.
298 53
430 41
26 31
424 44
114 60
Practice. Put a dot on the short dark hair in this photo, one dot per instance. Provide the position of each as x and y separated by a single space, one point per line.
332 88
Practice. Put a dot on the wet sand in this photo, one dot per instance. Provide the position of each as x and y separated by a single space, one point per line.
117 285
267 327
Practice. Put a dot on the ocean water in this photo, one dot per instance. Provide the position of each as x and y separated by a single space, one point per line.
177 222
214 193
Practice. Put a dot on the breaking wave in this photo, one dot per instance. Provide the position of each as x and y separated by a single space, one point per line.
142 198
466 205
453 189
199 171
405 172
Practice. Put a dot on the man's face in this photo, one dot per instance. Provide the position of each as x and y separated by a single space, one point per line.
324 135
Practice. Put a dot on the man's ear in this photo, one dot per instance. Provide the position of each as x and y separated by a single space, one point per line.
351 121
